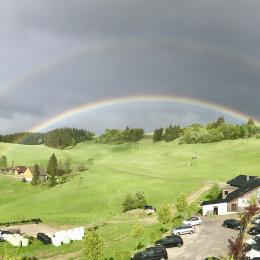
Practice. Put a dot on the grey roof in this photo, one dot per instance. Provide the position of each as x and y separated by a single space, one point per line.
209 202
250 185
240 180
42 171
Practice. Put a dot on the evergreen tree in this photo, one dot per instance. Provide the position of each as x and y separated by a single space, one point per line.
3 163
220 121
158 135
251 121
172 133
52 170
36 175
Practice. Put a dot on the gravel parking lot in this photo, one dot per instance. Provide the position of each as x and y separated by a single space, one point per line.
209 239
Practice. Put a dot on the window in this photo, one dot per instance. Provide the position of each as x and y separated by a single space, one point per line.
226 192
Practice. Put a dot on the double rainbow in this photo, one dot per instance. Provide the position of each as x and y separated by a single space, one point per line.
223 110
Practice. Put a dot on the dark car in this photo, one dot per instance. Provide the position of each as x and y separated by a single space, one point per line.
170 241
254 230
44 238
232 223
149 207
152 253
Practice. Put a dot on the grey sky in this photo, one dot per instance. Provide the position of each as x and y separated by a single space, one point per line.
59 54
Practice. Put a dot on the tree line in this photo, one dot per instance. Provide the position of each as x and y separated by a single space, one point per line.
22 138
57 138
121 136
64 137
212 132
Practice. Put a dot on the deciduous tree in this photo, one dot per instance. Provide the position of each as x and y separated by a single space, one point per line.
181 203
137 232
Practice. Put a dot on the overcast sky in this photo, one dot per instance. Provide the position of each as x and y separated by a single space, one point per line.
59 54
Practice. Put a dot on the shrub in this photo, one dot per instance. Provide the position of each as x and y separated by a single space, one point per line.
136 201
214 192
94 246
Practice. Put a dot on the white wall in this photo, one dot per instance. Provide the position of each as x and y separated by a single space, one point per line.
209 209
242 202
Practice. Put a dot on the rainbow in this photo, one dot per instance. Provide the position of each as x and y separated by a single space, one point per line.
109 46
137 99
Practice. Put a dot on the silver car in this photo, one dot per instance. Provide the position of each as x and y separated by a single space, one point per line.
183 229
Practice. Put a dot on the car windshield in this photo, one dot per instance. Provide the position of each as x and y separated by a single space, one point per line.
187 226
179 227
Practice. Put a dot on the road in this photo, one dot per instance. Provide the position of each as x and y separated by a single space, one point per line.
209 239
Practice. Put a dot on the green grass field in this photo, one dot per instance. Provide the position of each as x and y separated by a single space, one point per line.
160 170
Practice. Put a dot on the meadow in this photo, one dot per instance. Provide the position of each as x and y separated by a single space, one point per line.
160 170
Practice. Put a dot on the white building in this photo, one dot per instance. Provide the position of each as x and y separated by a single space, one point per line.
235 196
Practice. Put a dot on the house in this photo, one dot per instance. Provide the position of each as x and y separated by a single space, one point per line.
235 196
28 174
43 176
19 170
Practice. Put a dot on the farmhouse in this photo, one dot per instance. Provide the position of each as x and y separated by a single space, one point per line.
235 196
27 173
19 170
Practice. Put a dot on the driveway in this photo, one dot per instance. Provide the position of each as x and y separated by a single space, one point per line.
209 239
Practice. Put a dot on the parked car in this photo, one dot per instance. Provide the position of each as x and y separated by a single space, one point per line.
192 221
256 220
149 209
254 252
152 253
232 223
44 238
170 241
183 229
253 240
254 230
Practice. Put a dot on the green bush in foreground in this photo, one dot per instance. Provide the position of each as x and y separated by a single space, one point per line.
94 246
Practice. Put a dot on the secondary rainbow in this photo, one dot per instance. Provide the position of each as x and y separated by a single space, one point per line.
89 107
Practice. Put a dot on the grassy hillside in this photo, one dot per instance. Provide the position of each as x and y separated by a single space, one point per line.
160 170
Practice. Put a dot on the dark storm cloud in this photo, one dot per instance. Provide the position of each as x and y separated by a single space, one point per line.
55 55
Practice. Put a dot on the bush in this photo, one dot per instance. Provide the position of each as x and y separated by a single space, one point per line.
214 192
136 201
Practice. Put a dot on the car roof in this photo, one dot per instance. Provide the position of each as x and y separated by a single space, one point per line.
184 226
231 220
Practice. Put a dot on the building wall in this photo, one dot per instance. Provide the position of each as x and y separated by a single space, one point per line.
43 177
243 201
229 189
209 209
28 175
